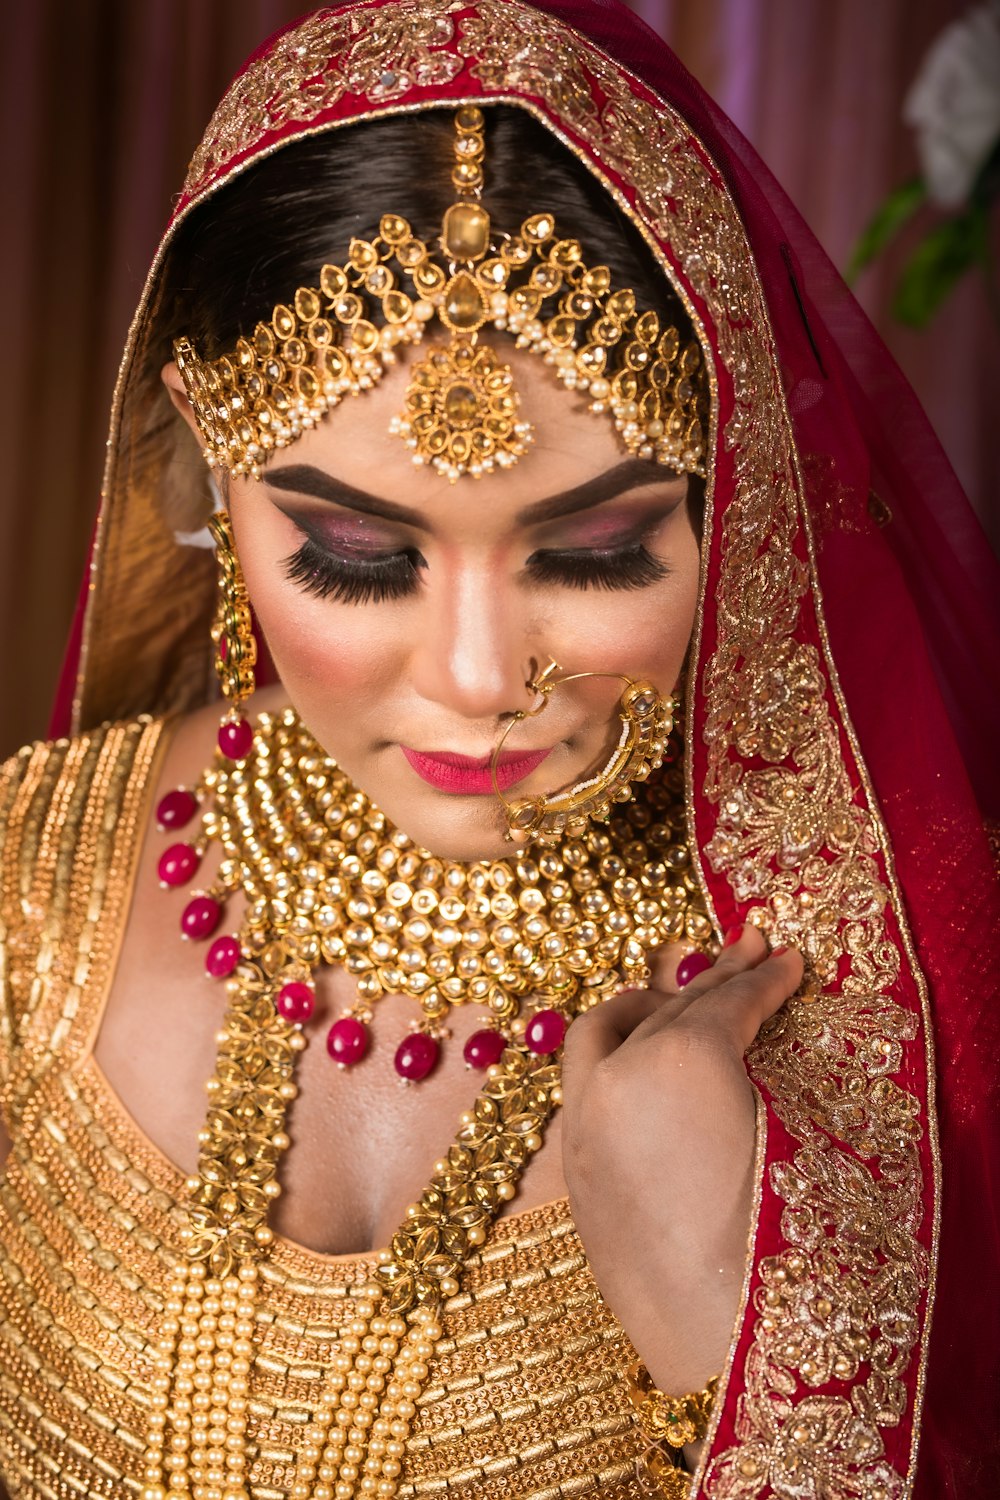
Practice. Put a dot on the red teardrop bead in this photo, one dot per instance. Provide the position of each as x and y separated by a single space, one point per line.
348 1041
176 808
416 1056
296 1002
236 738
484 1048
222 958
200 918
690 967
178 864
545 1032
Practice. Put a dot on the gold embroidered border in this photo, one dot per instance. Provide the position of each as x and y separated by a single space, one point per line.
310 69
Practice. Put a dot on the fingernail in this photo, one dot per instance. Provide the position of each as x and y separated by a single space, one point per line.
689 968
777 952
733 935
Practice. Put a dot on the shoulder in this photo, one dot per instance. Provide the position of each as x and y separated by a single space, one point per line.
71 814
60 801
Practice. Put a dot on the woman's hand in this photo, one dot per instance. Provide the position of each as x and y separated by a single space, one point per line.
659 1146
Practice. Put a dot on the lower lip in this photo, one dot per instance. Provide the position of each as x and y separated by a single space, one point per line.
464 777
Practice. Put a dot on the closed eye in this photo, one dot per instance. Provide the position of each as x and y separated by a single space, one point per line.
390 575
381 576
631 567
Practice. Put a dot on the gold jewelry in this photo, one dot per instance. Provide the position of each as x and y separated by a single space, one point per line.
327 878
235 643
661 1476
646 723
674 1420
461 407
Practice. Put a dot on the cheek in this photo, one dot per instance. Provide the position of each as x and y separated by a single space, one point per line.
639 633
327 654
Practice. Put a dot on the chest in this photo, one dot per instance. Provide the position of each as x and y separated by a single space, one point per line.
528 1380
364 1143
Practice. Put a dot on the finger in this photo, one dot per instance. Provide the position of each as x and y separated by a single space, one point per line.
598 1033
747 998
674 966
601 1031
660 1002
743 947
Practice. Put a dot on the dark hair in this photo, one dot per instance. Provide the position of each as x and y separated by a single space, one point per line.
250 245
270 230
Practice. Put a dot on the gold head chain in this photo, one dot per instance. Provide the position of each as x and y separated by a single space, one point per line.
462 410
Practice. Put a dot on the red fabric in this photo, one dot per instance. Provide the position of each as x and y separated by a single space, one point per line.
907 594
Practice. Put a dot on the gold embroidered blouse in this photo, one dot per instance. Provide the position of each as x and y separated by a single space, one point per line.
527 1395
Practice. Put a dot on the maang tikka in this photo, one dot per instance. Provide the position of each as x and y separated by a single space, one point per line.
462 410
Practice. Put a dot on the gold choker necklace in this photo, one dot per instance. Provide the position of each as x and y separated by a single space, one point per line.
328 880
535 940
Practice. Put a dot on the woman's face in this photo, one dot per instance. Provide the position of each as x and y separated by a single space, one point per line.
405 614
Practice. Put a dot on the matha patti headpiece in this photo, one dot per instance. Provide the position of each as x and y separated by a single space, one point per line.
461 410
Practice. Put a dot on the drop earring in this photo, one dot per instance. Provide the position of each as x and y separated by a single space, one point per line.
235 645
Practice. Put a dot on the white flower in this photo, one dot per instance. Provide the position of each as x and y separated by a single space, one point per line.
954 104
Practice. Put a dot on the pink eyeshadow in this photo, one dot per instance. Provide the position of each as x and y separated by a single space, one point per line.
349 534
598 531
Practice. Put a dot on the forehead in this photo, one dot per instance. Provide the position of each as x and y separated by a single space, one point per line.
570 444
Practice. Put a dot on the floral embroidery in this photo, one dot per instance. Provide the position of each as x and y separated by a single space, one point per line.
310 69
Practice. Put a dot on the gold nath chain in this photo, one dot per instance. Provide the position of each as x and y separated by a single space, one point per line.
354 1443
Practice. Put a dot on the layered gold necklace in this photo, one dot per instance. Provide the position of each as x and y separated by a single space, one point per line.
328 880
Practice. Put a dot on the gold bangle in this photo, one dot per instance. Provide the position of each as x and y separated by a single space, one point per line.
674 1420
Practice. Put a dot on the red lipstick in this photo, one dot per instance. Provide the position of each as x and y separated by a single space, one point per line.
468 775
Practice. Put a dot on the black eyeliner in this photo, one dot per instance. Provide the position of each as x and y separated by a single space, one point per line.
395 575
328 577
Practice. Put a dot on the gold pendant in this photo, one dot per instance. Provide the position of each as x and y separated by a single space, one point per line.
461 411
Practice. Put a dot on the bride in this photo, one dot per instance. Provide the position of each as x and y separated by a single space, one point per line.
535 1034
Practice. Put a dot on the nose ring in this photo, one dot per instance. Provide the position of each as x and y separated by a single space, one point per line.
647 719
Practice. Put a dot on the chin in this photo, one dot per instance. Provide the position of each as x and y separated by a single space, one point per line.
459 828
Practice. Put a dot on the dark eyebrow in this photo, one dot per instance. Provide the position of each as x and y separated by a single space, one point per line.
634 473
304 479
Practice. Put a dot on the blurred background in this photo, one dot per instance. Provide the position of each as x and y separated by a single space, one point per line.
103 102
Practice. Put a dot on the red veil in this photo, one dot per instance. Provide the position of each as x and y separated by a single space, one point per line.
844 701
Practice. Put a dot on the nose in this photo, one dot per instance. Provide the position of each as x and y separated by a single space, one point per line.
469 653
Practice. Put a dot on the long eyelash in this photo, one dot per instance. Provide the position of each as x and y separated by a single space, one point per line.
375 579
628 568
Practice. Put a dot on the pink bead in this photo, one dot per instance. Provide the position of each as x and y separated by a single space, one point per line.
484 1048
236 739
296 1002
222 958
545 1032
416 1056
689 968
347 1041
176 808
178 864
200 918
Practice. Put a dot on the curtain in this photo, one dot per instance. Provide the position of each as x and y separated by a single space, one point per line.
103 101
